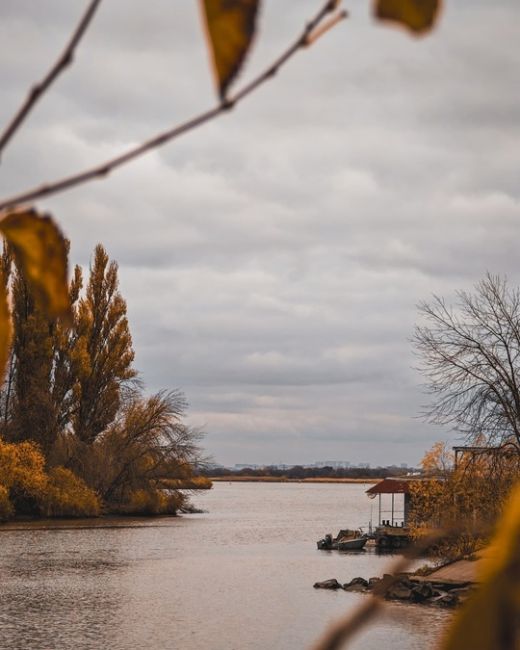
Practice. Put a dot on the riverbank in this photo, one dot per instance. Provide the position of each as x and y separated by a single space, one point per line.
172 506
284 479
407 588
447 586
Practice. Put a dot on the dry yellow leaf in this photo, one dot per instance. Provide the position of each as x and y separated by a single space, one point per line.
230 26
417 15
491 618
41 252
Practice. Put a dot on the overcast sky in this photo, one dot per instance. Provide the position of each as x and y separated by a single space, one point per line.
272 260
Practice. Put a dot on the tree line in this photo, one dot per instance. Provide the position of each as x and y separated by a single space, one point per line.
78 435
300 472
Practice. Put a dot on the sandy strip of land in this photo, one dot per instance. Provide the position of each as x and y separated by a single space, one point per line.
460 571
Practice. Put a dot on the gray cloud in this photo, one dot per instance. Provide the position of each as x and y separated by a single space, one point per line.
272 260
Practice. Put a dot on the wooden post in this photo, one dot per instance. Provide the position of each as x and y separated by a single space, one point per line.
407 500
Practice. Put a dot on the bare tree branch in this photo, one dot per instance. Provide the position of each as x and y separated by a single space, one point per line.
64 60
470 358
310 34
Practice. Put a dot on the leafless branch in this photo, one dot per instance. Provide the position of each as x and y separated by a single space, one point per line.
309 35
63 61
470 358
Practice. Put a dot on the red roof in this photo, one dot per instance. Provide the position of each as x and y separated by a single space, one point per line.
390 486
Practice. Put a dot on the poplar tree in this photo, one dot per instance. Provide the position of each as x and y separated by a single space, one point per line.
38 394
65 340
33 414
103 352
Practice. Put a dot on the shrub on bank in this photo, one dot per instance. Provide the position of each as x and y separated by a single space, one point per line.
466 500
27 489
6 507
190 483
22 467
152 502
22 478
66 495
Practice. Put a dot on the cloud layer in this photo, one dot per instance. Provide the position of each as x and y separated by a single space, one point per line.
272 260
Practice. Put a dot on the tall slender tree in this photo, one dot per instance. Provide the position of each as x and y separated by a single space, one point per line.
33 409
103 353
37 395
65 339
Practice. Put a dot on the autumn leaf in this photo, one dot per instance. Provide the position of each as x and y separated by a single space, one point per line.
230 28
41 252
490 618
417 15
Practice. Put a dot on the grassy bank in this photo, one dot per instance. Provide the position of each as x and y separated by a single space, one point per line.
192 483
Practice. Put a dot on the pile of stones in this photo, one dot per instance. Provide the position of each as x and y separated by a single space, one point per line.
406 588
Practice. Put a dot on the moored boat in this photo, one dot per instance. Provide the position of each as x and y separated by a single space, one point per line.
345 540
352 544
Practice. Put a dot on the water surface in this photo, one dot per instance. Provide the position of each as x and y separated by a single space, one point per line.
238 577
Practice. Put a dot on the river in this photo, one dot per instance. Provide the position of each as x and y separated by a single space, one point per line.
237 577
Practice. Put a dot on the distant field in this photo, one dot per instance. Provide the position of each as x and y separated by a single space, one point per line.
284 479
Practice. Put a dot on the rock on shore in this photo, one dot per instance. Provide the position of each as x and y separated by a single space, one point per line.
405 588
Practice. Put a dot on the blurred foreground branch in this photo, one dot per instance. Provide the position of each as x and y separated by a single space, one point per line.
64 60
312 31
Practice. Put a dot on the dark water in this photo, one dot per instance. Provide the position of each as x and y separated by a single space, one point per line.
237 578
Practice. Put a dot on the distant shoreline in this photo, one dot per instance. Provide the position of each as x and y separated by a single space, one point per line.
284 479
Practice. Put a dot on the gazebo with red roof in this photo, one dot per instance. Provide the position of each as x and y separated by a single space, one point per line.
393 486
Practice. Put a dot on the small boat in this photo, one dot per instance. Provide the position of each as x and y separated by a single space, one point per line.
345 540
352 544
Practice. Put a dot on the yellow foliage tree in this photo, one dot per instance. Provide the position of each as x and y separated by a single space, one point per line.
22 467
26 487
468 498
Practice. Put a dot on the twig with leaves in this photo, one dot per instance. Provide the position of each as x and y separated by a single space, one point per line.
230 28
312 31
